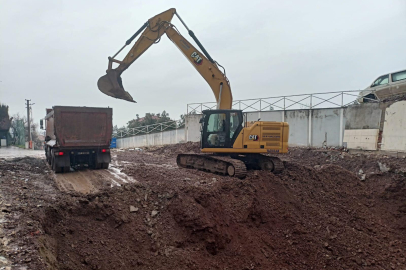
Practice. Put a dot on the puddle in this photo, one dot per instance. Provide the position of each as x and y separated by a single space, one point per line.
120 176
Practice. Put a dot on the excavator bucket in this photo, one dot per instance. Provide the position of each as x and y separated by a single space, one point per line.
111 85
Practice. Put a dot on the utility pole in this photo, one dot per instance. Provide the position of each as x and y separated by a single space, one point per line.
29 122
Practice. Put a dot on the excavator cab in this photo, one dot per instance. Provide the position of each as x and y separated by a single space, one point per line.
220 128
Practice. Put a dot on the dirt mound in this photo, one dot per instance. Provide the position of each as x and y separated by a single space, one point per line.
175 149
370 164
23 164
26 189
304 218
319 213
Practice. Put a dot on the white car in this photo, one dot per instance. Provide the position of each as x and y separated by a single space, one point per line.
385 86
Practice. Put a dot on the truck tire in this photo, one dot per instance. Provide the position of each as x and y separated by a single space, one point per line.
97 165
66 169
105 165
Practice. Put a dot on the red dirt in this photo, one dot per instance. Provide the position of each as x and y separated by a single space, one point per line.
305 218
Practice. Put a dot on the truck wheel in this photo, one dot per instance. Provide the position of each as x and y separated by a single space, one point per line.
66 169
97 165
105 165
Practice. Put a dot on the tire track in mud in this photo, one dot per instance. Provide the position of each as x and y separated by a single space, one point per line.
90 181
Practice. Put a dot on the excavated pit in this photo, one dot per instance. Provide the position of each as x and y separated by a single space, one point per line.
317 214
304 219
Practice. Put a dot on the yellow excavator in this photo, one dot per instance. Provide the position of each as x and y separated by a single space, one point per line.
229 144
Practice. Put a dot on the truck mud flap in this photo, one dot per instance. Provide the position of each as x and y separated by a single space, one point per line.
62 161
103 158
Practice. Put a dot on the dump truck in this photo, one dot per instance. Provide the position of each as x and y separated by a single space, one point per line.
77 137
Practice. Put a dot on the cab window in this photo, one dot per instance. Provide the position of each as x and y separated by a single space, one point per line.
216 122
399 76
216 130
381 81
234 123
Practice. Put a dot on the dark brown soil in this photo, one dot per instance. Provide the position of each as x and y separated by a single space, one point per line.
27 189
317 214
174 149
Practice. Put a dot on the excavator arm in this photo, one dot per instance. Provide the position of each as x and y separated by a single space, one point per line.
111 84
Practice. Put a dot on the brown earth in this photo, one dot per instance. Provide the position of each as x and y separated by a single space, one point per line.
318 213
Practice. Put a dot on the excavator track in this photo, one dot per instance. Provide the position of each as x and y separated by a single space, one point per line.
278 166
262 162
224 165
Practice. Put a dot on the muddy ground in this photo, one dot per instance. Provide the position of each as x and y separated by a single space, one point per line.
328 209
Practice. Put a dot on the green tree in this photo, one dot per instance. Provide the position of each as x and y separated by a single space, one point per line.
149 119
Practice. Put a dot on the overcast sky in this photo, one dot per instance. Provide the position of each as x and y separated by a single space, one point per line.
53 52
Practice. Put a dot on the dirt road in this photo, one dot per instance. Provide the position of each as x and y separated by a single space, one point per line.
328 210
91 181
15 152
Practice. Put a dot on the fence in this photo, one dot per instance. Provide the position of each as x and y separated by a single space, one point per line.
154 128
153 139
317 119
291 102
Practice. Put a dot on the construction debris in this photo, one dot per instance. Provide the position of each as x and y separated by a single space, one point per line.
383 167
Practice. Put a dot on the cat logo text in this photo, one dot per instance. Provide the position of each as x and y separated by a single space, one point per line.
196 58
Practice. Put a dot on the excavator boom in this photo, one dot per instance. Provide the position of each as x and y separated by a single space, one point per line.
218 82
111 83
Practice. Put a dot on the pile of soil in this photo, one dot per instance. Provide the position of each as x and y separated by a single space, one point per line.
175 149
319 213
304 218
369 162
27 189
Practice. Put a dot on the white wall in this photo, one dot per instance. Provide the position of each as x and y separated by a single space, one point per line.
394 127
192 126
306 127
365 139
316 128
160 138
